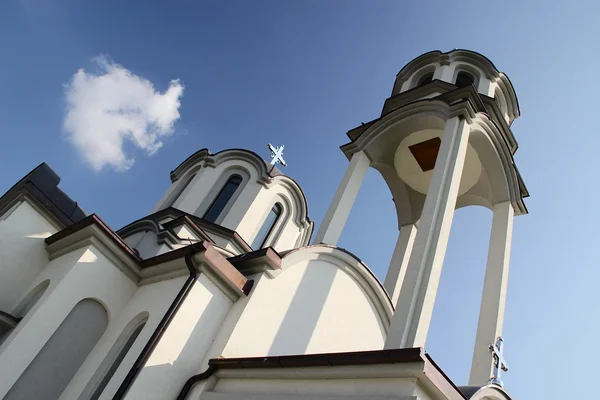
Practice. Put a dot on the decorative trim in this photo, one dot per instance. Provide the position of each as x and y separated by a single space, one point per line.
317 366
355 268
265 260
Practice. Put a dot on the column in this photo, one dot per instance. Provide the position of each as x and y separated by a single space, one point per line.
491 312
411 320
339 209
444 73
397 270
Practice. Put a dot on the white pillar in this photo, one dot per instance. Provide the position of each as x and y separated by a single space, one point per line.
397 270
339 209
412 317
493 299
444 73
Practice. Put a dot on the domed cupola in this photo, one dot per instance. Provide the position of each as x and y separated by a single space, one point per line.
237 190
460 68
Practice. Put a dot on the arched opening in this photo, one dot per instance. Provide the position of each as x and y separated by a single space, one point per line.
456 310
267 227
8 322
118 352
225 194
63 354
31 299
425 79
372 235
464 79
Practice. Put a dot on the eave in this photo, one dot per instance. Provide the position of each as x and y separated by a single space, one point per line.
93 231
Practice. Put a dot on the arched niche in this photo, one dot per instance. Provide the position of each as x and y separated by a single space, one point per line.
63 354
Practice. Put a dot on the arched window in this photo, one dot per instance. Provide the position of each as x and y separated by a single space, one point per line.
117 354
63 354
425 79
226 193
464 79
267 227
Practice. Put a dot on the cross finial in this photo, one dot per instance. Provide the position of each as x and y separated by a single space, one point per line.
277 154
499 362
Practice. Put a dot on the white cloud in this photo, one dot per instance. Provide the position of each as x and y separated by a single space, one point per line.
107 109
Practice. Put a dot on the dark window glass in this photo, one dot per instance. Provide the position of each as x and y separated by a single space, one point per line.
464 79
425 79
267 227
216 208
113 368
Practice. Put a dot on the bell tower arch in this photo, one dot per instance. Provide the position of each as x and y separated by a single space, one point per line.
443 141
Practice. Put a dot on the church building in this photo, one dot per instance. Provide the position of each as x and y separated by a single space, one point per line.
224 292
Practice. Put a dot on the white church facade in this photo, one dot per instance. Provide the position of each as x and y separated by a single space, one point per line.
223 292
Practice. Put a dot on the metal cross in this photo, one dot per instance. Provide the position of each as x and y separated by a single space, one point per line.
499 362
277 154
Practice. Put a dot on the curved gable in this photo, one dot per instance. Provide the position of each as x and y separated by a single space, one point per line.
324 300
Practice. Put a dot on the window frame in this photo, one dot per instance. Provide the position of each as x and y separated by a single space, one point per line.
271 229
218 219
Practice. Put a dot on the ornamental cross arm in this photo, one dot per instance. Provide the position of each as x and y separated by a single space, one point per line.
277 155
499 361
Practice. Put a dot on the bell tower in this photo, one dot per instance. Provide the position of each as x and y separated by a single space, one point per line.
443 141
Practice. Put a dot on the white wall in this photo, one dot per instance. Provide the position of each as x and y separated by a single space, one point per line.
395 388
154 299
251 203
180 353
22 253
313 306
286 230
208 182
80 274
447 73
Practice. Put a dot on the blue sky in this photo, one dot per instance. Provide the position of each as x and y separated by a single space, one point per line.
303 74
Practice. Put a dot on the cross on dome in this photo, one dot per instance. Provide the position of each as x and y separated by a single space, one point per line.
277 154
499 362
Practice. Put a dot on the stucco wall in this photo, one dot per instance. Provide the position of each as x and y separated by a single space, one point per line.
447 73
63 354
181 351
82 273
153 299
313 306
286 230
346 382
22 253
251 203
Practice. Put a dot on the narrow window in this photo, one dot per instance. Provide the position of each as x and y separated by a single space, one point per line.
425 79
63 354
464 79
226 193
267 227
122 352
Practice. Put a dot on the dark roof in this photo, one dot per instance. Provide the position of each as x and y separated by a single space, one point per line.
42 185
469 391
